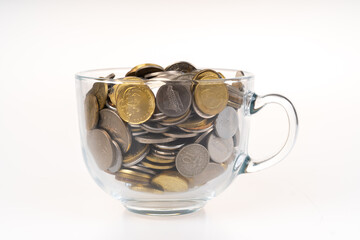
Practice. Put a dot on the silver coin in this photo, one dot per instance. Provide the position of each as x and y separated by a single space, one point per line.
166 74
236 138
163 153
176 121
151 138
228 161
109 106
226 123
142 169
203 136
192 159
101 148
170 146
184 67
154 74
185 77
199 113
161 79
220 149
233 105
158 166
174 100
163 156
137 160
170 75
235 96
211 171
154 127
114 125
160 114
239 74
198 130
157 119
234 91
134 125
118 158
179 134
185 80
139 133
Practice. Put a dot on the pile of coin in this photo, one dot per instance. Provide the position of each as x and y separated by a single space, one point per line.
171 137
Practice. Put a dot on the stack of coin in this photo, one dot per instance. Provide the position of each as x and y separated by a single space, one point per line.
177 136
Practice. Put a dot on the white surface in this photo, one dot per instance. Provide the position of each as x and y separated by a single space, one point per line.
306 50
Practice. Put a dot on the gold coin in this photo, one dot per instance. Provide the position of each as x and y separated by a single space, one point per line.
135 153
170 181
131 80
155 159
149 68
131 178
91 111
113 92
134 173
133 71
195 122
146 188
171 121
207 125
211 98
110 76
208 74
221 75
135 103
158 166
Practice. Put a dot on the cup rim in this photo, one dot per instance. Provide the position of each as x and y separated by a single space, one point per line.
83 76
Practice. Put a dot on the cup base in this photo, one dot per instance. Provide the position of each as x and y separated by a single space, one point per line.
164 208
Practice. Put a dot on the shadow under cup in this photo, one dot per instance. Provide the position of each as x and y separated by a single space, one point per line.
166 164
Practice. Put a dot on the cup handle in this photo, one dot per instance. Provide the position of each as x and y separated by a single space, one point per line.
256 103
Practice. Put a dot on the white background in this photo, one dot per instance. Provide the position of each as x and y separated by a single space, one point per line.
306 50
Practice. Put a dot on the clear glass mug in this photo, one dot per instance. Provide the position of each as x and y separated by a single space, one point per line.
175 203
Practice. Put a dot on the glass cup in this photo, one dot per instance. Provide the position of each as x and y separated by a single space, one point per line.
200 180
